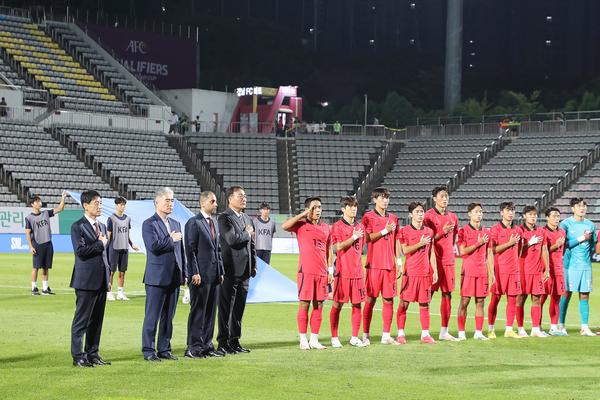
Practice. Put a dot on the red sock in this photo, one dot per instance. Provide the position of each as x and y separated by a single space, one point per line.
401 316
542 302
334 321
511 304
424 317
554 306
445 310
493 308
479 322
356 314
520 313
536 316
367 316
388 314
316 317
462 319
302 319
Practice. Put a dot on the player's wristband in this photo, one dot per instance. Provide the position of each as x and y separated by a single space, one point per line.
384 232
354 237
330 270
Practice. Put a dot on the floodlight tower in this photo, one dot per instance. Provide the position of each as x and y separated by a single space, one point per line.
453 69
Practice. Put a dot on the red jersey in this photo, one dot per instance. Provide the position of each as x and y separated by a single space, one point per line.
348 263
381 254
444 246
417 263
506 262
314 242
530 260
556 256
474 264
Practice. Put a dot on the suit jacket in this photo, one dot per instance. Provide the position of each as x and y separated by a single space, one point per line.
90 271
202 251
239 252
163 255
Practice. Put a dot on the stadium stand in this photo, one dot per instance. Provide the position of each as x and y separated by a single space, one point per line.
9 199
32 160
587 186
246 160
331 167
139 161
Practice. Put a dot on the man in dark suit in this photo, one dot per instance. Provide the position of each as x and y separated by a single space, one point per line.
204 274
239 260
165 272
90 281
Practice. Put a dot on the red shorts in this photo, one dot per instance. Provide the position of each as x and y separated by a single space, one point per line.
446 277
555 285
312 287
509 284
349 290
474 286
533 284
416 289
381 281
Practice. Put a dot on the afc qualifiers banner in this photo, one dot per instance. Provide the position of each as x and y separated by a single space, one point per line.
166 62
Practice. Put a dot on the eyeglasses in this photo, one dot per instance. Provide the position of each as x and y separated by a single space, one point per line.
241 196
213 201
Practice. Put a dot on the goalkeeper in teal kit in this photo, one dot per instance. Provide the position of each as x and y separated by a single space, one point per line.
580 244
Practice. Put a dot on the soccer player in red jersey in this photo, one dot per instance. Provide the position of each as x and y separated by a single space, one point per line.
533 266
477 270
420 272
347 236
383 257
444 225
555 285
505 239
315 270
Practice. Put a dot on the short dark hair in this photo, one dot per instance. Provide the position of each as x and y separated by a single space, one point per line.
380 191
437 189
264 206
34 199
530 208
549 211
577 200
472 206
88 196
310 200
348 201
507 204
120 200
415 204
232 189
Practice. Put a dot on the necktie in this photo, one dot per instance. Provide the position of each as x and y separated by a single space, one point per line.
97 228
212 228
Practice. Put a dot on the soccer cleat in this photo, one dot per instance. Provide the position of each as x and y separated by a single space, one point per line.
366 340
304 345
110 296
461 337
314 344
427 340
480 336
557 332
586 332
400 340
335 343
563 330
491 335
387 340
447 337
35 292
522 333
121 296
539 334
186 296
511 335
48 292
356 342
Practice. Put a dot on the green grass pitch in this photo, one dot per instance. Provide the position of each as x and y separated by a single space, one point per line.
35 362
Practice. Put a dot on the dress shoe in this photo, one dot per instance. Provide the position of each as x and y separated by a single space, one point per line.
239 349
226 350
98 361
193 354
168 356
152 358
82 362
221 352
213 353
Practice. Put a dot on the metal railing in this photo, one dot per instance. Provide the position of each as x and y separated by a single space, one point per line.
22 114
370 176
87 119
15 12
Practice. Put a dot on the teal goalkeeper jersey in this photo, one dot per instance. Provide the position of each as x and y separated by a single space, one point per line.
578 256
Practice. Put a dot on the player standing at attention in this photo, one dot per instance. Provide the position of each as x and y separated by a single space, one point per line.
555 285
118 226
383 257
534 268
581 240
444 225
477 270
420 272
349 284
315 270
505 239
39 238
